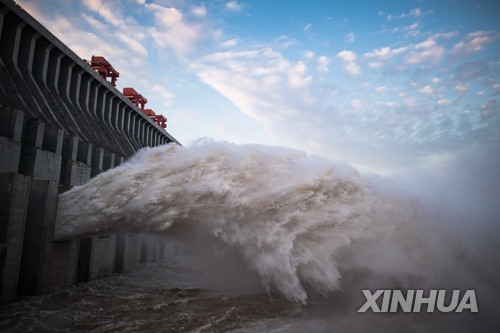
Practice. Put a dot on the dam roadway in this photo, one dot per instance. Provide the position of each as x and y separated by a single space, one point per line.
61 123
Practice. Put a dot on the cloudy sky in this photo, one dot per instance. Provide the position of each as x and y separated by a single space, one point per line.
383 85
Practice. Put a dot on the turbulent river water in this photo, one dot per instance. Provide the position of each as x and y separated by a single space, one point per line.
270 239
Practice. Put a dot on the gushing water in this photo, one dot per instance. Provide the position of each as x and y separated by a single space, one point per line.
298 221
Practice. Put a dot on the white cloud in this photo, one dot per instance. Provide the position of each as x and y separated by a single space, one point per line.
443 102
411 30
379 57
414 13
446 35
323 62
309 55
381 89
285 41
427 90
230 42
428 52
296 75
93 4
347 56
375 64
132 44
350 37
460 87
408 30
408 101
106 11
98 25
200 11
172 30
234 6
167 16
475 42
270 88
165 93
356 104
353 68
308 27
490 109
385 52
429 43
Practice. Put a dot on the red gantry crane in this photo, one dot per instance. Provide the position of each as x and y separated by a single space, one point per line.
135 97
104 68
141 101
158 118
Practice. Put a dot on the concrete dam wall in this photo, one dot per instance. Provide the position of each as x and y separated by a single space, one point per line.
61 123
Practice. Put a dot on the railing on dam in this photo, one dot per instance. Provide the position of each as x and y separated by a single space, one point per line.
43 78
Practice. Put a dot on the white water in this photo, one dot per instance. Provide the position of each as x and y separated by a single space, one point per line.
300 222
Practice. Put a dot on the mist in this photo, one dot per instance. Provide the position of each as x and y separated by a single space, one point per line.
302 225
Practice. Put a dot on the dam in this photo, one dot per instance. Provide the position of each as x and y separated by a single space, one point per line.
61 123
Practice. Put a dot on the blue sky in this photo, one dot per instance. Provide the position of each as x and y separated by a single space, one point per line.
384 85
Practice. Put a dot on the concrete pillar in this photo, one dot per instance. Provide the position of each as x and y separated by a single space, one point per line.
84 259
141 133
150 136
119 254
41 196
74 172
119 160
69 152
156 139
53 140
65 79
60 258
153 251
161 250
144 251
33 135
14 189
11 127
110 112
11 123
41 152
108 161
103 256
78 94
102 103
132 252
44 263
93 97
85 153
135 130
97 160
120 119
132 130
127 252
79 123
